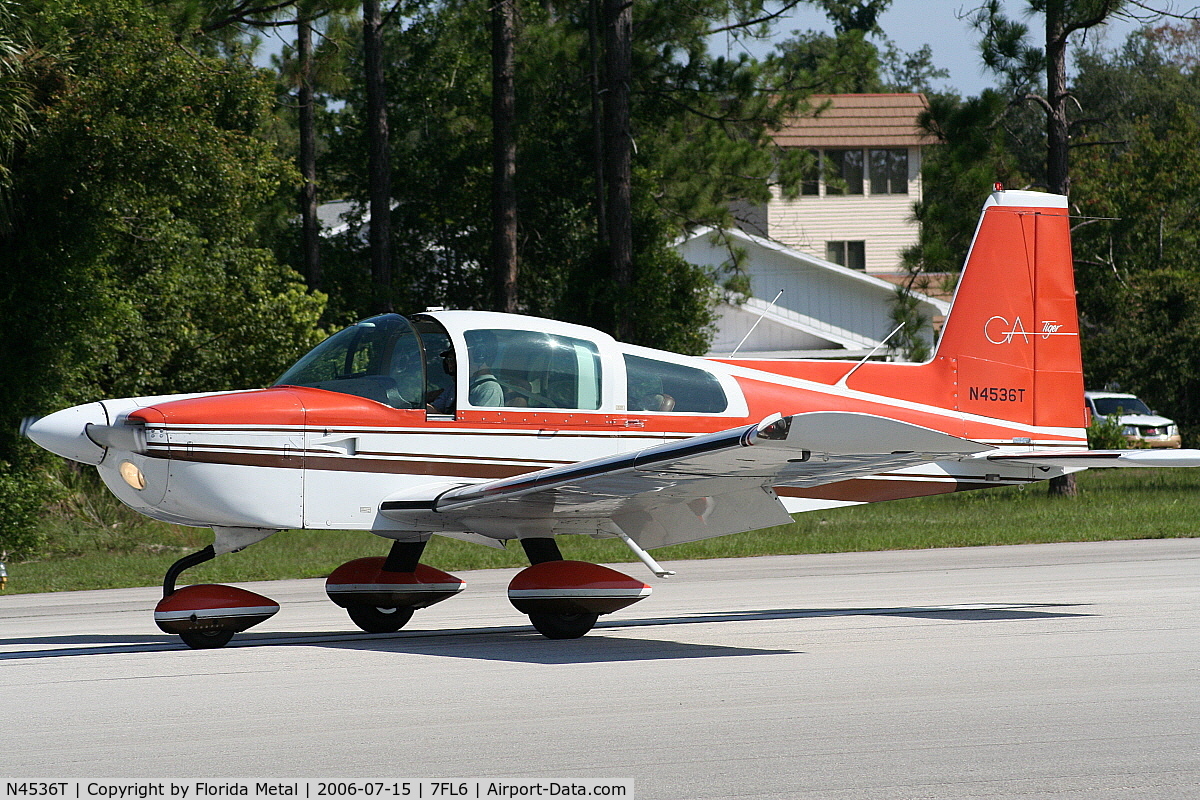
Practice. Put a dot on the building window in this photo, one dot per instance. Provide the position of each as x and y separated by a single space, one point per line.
848 254
843 172
810 184
889 171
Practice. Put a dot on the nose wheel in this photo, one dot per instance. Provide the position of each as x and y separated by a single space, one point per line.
207 615
206 640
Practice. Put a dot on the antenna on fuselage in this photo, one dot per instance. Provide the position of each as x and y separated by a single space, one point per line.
755 325
842 382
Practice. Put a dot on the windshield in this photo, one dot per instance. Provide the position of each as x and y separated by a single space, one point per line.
379 358
1107 406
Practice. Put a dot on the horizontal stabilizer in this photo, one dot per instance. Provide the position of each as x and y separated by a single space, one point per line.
1102 458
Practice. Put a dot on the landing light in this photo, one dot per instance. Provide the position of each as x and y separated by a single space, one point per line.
132 475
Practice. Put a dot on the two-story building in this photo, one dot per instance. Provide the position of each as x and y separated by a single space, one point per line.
854 206
817 264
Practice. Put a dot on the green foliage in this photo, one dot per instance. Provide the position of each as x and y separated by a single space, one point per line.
701 125
1137 271
1134 192
855 15
1005 46
1106 433
1000 136
845 63
848 61
437 74
1135 85
911 72
23 495
15 92
1134 180
1150 348
671 305
912 341
975 152
134 268
133 264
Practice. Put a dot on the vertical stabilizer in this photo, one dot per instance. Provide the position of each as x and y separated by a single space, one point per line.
1013 330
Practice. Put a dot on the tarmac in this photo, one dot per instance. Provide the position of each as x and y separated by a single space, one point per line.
1063 671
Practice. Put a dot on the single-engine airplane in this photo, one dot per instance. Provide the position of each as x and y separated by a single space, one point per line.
490 427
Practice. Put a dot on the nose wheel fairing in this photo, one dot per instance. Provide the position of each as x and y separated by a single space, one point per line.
207 615
209 608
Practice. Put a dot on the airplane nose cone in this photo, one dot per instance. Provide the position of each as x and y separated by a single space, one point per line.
62 432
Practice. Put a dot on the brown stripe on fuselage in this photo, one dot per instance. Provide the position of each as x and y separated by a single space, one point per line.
345 464
418 467
181 452
871 490
262 459
856 490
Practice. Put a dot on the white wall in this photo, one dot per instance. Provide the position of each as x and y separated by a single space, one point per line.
882 221
831 301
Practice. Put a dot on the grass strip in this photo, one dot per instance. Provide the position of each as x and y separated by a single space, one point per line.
105 546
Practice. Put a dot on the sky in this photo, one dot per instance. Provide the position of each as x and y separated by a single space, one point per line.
913 23
910 24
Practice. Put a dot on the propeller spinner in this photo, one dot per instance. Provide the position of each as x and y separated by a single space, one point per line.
83 433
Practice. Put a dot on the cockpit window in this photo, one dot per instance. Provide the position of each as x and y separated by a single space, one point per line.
379 359
662 386
530 369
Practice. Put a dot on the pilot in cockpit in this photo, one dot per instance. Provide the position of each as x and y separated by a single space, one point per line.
441 401
484 391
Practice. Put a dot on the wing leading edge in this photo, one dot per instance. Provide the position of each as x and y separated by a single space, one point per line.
698 488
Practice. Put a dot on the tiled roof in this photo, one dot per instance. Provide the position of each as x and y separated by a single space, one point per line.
858 120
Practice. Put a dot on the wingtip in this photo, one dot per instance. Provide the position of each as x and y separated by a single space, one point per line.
774 427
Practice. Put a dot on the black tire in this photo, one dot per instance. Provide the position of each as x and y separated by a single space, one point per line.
379 620
563 626
206 640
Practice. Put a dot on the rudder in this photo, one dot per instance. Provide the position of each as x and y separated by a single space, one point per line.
1013 329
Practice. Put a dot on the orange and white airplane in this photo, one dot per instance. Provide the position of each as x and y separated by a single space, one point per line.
491 427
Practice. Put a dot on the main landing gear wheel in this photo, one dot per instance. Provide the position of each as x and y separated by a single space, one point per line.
565 598
206 640
381 594
563 626
379 620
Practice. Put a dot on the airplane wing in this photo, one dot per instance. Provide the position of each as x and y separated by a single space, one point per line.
1101 458
706 486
